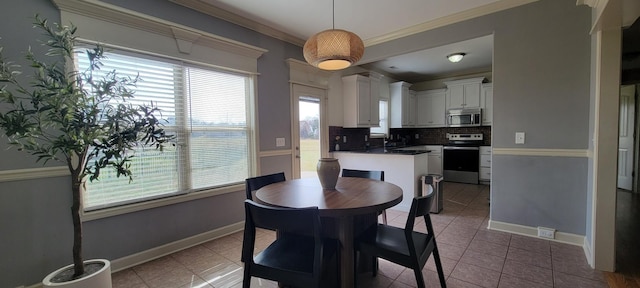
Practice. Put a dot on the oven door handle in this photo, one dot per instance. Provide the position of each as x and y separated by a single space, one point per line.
460 148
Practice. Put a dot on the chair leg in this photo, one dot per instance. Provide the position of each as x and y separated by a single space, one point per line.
384 217
419 279
374 268
246 280
436 258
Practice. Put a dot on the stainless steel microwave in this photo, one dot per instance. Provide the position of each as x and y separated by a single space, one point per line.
464 117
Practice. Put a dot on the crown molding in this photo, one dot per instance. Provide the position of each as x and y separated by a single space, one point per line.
590 3
448 20
211 10
203 7
183 34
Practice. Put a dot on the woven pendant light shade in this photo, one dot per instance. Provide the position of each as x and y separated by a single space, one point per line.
333 49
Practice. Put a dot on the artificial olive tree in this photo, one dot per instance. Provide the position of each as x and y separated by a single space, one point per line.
83 119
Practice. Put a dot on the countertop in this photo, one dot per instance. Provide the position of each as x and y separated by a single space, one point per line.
412 150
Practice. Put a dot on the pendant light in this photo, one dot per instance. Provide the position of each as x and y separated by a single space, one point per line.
333 49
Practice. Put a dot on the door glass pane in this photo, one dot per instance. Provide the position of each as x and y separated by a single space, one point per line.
309 120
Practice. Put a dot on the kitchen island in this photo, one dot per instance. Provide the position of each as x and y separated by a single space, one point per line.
402 168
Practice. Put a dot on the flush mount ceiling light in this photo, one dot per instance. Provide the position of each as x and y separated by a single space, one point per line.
455 57
333 49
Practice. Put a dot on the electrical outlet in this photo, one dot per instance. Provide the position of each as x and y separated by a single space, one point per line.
366 138
546 232
519 137
344 139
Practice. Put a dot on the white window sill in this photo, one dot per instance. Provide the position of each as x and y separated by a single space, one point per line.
114 211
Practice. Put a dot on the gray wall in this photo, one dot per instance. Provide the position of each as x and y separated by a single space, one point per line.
541 82
35 224
541 87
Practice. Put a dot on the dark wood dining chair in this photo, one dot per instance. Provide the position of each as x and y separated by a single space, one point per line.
255 183
405 247
376 175
297 260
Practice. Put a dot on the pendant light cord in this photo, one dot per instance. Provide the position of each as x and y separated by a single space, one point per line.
333 22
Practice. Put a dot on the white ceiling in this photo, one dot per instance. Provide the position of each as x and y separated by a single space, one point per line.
367 18
375 21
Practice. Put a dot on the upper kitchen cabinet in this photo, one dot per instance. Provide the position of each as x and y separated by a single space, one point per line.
361 95
486 99
402 104
463 93
430 108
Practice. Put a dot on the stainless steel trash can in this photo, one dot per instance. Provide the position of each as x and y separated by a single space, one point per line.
435 180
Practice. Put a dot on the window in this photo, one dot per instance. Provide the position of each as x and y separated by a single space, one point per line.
207 111
383 130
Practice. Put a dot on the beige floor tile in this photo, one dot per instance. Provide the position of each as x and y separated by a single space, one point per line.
530 244
562 280
508 281
471 255
529 257
528 272
476 275
483 260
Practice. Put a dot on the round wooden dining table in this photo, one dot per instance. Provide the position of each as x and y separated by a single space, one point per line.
352 197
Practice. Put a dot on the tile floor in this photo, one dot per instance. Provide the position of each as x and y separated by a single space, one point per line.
471 255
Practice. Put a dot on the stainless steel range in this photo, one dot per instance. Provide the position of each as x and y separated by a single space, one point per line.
461 158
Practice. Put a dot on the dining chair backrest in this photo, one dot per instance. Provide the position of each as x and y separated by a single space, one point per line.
371 174
406 247
289 260
420 207
377 175
255 183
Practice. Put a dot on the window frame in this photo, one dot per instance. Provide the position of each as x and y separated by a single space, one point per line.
167 40
182 128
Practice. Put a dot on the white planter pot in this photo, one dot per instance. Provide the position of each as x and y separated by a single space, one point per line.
99 279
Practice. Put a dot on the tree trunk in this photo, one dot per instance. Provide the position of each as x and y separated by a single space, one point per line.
78 263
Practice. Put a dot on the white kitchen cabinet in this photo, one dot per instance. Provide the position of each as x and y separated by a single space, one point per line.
402 105
485 164
430 108
463 93
399 169
486 99
435 159
360 97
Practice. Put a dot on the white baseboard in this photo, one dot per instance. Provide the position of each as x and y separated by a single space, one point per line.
588 252
160 251
562 237
157 252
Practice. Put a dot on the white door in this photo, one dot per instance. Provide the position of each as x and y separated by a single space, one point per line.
625 141
309 129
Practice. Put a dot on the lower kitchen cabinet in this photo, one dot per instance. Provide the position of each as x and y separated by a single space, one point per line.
399 169
485 164
435 159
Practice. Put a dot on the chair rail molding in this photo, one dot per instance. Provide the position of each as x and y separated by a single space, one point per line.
33 173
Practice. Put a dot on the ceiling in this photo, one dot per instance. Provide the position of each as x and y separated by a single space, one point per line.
375 21
369 19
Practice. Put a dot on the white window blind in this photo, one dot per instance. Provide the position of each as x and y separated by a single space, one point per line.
203 107
383 129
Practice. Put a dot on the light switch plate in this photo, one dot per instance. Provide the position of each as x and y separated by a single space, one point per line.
519 137
280 142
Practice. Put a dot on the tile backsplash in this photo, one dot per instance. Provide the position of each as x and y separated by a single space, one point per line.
426 136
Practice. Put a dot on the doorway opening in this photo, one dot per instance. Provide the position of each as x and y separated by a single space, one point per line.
309 132
309 129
